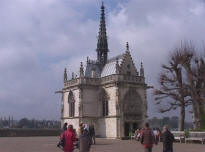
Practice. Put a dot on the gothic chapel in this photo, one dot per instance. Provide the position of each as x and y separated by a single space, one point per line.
108 93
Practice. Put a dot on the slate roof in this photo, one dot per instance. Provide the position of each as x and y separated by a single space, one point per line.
108 69
110 66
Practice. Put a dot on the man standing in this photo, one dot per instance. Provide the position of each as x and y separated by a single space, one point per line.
147 138
168 139
92 133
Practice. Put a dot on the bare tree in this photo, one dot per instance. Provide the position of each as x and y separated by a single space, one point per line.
195 73
172 89
183 82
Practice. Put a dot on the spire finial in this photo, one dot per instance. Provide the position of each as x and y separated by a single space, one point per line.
117 66
81 69
127 47
102 45
102 6
72 75
65 75
142 70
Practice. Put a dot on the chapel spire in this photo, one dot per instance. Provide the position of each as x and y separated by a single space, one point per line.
102 45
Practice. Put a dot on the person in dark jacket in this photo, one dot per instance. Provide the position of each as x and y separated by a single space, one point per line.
92 133
65 125
168 139
85 141
147 138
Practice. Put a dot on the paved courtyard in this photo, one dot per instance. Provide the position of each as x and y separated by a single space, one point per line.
48 144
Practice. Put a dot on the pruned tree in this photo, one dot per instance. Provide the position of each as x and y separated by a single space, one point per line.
182 82
195 79
172 91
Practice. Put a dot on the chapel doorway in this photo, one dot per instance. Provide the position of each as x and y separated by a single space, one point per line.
130 127
135 127
127 129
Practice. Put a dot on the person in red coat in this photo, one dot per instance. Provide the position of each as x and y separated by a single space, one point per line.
147 138
69 138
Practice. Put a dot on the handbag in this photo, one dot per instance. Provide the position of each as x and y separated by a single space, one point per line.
61 143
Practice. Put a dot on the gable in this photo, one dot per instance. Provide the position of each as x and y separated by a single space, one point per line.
127 66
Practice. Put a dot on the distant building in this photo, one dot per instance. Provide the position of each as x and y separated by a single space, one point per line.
109 93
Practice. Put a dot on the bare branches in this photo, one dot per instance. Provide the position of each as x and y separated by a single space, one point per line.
182 82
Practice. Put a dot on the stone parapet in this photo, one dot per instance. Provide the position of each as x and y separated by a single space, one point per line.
104 80
122 78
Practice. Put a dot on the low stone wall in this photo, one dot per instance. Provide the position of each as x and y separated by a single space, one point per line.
28 132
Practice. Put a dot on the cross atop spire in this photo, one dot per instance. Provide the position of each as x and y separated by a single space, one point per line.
102 45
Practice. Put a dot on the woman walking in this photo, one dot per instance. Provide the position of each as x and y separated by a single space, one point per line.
69 138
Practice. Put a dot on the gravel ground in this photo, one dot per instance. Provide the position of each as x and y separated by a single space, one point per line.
48 144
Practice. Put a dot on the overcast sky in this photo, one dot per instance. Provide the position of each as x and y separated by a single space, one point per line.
39 38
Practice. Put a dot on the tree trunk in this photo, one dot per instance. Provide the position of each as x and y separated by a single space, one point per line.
182 118
195 98
197 114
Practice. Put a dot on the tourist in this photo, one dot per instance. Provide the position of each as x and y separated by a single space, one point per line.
61 143
92 133
138 134
147 138
80 129
65 126
85 141
158 134
69 138
155 135
168 139
86 126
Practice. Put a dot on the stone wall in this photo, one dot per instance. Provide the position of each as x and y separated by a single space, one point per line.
29 132
90 102
107 127
111 91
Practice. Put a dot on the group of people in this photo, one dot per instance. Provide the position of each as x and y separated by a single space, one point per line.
85 137
81 139
149 137
156 132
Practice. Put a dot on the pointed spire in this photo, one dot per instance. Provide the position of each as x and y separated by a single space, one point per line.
142 70
127 47
102 45
65 75
81 69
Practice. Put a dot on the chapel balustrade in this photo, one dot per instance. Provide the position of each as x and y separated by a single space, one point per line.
104 80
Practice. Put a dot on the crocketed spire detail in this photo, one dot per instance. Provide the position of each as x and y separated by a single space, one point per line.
102 44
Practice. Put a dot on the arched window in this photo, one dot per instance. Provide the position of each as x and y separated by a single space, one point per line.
104 101
105 108
71 103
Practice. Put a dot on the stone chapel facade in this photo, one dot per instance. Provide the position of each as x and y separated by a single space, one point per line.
108 93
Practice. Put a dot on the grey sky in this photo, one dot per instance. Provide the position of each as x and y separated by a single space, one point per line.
38 39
